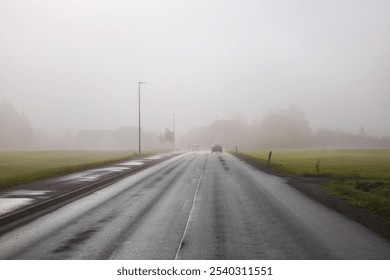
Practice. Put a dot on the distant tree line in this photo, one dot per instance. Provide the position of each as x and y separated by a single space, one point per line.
284 129
166 137
16 133
122 138
15 130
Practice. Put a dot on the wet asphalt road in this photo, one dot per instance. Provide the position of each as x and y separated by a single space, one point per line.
194 206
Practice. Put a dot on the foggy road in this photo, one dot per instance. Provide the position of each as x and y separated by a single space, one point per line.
195 206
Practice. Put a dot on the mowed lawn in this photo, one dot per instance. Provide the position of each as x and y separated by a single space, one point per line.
361 177
23 167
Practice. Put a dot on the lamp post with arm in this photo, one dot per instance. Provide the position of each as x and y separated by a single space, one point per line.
174 135
139 117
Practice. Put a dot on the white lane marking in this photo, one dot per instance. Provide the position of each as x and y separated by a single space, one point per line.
192 207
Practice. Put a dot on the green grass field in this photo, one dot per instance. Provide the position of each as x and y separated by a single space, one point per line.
24 167
361 177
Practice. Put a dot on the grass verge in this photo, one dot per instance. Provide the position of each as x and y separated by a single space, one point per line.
27 166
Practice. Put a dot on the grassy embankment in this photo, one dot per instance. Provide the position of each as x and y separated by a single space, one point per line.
361 177
24 167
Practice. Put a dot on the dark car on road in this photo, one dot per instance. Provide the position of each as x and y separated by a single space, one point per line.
195 147
216 148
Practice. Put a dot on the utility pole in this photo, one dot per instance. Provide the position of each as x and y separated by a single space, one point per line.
139 117
174 135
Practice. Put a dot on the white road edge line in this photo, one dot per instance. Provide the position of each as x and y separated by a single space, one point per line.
192 207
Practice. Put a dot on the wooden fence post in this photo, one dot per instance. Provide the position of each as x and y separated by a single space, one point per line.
269 159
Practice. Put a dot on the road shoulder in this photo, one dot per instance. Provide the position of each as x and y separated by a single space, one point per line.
311 186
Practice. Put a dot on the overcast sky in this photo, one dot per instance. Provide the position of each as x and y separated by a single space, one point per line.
74 64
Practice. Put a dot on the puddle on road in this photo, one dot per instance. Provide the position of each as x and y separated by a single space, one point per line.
75 176
11 204
154 157
131 163
112 169
25 193
91 175
88 178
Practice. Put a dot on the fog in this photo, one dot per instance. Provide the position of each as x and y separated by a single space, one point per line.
71 65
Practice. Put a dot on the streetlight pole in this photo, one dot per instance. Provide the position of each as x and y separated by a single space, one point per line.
174 135
139 117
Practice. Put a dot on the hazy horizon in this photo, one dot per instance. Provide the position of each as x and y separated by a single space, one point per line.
72 65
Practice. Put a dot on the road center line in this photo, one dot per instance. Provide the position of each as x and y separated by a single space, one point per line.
192 207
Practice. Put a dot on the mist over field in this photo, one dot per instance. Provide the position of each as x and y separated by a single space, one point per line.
258 74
